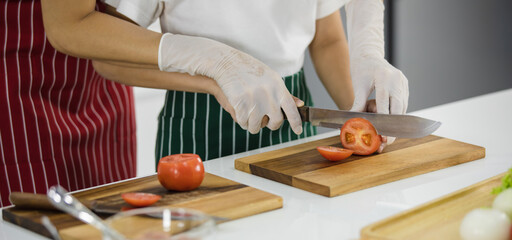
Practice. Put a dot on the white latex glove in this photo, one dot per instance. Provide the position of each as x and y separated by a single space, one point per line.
369 70
251 87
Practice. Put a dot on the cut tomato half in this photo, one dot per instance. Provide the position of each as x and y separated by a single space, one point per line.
138 199
359 134
334 153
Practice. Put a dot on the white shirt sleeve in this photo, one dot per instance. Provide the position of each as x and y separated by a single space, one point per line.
142 12
326 7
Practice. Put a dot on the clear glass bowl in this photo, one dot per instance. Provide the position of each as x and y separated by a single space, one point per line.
163 223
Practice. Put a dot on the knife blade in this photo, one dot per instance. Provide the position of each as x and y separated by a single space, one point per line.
401 126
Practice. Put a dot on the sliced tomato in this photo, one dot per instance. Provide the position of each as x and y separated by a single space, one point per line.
334 153
359 134
138 199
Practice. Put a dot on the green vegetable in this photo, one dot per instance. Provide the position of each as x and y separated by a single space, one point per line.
506 182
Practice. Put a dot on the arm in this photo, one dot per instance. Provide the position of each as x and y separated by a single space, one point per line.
152 78
370 71
75 28
329 53
365 24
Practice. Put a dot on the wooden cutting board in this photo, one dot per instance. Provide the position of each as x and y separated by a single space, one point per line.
438 219
301 166
216 196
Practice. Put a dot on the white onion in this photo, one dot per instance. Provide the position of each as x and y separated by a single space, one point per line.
503 202
485 224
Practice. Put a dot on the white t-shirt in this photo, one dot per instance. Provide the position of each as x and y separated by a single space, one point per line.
277 32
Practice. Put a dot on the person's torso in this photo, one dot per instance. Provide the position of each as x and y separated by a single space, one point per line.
275 32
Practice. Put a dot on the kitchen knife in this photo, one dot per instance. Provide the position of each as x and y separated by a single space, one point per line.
401 126
41 202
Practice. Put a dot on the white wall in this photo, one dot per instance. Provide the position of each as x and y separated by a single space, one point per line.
148 103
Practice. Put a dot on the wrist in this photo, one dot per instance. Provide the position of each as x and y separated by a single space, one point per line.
210 86
160 61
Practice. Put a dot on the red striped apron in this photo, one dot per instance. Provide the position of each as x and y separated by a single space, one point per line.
60 122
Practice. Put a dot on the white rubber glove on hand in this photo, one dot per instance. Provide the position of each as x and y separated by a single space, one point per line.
252 88
370 71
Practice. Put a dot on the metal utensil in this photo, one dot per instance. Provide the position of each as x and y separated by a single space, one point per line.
41 202
50 227
402 126
64 201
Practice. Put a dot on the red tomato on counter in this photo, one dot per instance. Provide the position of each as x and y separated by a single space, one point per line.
138 199
334 153
359 134
181 172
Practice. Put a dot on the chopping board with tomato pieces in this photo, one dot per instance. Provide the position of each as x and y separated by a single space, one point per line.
438 219
303 167
211 197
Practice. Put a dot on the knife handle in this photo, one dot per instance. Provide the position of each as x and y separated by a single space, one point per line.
303 112
36 201
30 201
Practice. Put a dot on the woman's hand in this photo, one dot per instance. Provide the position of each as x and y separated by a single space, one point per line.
370 71
390 84
216 91
253 89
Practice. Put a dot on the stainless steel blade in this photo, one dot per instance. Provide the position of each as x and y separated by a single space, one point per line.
402 126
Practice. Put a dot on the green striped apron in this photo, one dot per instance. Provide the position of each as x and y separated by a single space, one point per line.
196 123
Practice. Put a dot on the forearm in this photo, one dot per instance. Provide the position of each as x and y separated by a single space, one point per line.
329 53
365 25
153 78
75 28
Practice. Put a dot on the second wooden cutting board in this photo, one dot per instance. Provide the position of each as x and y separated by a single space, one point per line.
301 166
438 219
216 196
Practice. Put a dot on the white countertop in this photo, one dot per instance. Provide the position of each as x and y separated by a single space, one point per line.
485 121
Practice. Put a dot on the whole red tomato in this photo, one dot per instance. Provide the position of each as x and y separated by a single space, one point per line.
181 172
359 134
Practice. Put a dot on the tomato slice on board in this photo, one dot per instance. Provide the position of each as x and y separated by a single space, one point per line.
359 134
334 153
180 172
138 199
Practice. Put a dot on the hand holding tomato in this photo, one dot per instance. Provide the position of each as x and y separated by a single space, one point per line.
180 172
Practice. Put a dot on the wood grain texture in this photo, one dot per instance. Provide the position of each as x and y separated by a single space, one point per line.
303 167
216 196
438 219
244 165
